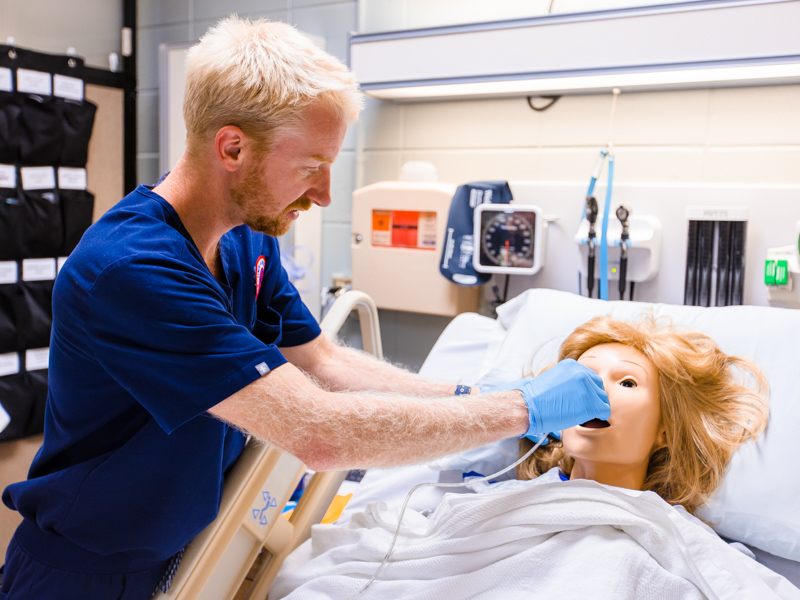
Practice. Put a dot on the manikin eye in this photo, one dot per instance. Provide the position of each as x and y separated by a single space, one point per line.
629 383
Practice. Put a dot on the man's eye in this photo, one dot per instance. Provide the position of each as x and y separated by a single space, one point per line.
628 383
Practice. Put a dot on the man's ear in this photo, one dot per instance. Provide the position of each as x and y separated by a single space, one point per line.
229 147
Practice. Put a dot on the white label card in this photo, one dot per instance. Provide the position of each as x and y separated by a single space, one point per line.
70 178
9 364
9 272
68 87
6 83
37 358
8 177
38 269
61 260
34 82
38 178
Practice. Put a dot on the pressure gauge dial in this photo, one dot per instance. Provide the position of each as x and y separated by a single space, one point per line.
507 239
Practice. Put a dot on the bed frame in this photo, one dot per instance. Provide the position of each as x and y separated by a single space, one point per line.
238 555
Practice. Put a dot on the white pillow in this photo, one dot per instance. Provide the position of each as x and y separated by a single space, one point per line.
759 500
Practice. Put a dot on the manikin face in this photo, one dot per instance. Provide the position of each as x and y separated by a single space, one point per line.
293 175
623 447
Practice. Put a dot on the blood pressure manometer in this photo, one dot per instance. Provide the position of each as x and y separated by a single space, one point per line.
508 239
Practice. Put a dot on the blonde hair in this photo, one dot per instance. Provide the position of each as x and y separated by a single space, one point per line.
706 408
260 76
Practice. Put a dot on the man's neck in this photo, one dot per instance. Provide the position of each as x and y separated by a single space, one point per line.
202 201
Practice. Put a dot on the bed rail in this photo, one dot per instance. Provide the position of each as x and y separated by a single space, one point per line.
238 555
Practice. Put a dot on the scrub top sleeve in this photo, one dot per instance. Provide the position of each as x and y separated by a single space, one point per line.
297 324
164 331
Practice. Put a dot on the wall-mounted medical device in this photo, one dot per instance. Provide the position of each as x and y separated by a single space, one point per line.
561 52
398 232
715 255
508 239
634 247
782 273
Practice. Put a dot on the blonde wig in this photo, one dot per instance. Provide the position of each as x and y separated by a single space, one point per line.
260 76
706 408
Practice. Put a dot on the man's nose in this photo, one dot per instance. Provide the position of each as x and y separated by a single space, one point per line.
320 193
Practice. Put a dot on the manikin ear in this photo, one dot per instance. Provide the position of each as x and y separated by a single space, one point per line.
661 437
230 147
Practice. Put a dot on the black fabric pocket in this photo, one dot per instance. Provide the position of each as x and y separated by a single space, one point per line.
41 231
17 400
77 207
23 396
9 302
11 214
35 314
41 132
9 128
77 119
37 382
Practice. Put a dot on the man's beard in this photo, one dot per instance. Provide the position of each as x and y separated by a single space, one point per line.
252 194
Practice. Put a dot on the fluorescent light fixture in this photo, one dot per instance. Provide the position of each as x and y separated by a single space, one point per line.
706 43
641 81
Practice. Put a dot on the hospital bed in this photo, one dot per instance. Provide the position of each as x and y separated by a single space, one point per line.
756 504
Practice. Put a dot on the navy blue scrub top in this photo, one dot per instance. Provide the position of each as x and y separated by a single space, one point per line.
145 340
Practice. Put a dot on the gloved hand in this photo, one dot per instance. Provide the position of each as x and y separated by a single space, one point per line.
535 437
565 395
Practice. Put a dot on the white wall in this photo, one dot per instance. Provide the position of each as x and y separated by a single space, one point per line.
92 27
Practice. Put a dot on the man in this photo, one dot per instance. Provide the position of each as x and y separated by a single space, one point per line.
175 330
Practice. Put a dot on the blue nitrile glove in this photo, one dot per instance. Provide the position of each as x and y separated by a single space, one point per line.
565 395
535 437
514 385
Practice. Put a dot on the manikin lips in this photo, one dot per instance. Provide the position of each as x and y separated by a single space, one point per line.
596 424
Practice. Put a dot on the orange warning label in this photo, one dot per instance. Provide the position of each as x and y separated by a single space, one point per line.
404 229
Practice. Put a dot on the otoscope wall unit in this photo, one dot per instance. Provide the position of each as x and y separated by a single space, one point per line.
643 250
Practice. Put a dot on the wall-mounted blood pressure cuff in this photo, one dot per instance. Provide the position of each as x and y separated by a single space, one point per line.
456 263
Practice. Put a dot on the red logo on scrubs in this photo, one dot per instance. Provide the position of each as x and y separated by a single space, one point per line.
261 264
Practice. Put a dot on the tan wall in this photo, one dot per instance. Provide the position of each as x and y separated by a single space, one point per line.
15 459
737 135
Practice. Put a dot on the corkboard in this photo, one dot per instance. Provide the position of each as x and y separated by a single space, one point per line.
106 149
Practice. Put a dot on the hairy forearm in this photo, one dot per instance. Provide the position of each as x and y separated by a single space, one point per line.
342 369
329 430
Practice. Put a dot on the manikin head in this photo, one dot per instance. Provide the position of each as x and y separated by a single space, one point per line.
679 409
274 108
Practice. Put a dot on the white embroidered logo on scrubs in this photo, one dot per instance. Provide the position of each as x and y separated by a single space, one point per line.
262 369
261 264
